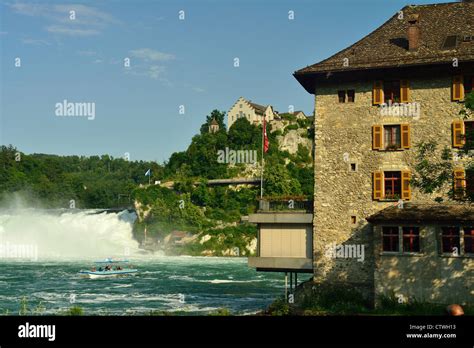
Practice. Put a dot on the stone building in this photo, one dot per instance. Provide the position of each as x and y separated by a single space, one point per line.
402 84
251 111
213 126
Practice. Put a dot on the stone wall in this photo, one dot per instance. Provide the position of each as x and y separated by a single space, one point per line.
341 193
425 276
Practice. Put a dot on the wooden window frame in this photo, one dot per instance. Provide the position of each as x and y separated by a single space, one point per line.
393 186
392 146
390 237
468 84
379 141
468 237
400 237
379 187
443 236
341 96
350 95
346 96
412 237
457 88
459 184
393 91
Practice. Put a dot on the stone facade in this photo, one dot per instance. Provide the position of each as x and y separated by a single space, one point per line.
426 276
344 192
245 108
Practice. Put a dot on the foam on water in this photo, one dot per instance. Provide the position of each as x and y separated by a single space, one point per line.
69 234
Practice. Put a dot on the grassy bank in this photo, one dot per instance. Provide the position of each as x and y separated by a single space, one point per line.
337 301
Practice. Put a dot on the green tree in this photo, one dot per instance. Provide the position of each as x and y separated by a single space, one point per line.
217 115
434 168
278 182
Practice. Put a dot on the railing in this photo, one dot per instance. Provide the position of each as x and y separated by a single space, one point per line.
288 204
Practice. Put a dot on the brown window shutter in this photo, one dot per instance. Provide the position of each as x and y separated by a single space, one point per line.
459 183
458 133
378 185
377 93
458 88
404 91
406 136
406 190
377 143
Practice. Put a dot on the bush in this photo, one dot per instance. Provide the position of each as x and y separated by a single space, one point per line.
75 311
279 307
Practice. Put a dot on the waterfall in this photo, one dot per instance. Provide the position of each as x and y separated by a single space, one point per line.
66 234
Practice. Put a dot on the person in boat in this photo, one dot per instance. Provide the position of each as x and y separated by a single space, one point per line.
93 269
100 269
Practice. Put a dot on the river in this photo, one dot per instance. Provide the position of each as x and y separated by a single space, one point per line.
61 243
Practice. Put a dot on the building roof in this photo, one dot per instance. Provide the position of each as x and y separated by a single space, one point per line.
259 109
425 213
214 122
387 46
291 113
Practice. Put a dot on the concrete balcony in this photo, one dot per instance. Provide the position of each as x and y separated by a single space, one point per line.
285 237
281 264
281 218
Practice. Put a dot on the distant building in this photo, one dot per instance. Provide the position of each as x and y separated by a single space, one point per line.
214 126
251 111
298 114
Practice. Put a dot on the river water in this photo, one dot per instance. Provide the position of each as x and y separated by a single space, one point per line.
55 245
184 285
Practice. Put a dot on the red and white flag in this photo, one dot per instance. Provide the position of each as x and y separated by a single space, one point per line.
265 138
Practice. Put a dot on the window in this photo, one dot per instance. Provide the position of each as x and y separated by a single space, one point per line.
353 219
468 84
391 137
240 105
411 239
396 91
469 134
342 96
461 86
463 134
450 240
463 183
404 239
354 167
391 91
470 182
350 96
390 238
241 114
392 185
469 239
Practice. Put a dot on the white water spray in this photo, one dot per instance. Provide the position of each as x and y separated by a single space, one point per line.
76 235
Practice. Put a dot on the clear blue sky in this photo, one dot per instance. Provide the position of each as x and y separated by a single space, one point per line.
173 63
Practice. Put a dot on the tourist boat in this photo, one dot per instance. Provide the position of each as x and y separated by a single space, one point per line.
109 268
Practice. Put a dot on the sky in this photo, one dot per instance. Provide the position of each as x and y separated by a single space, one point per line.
181 57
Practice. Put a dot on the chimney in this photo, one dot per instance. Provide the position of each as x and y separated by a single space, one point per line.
414 34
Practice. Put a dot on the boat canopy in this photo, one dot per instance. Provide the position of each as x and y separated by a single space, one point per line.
111 261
